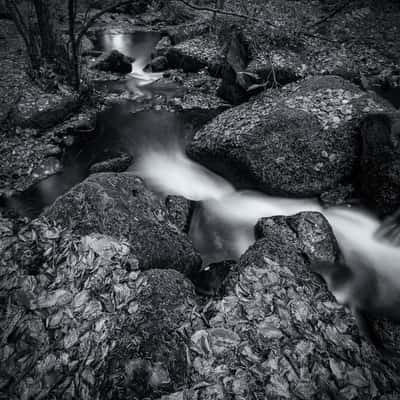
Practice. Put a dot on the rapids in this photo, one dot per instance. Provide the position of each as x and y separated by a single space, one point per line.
222 226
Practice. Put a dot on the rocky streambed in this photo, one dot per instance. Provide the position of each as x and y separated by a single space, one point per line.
107 294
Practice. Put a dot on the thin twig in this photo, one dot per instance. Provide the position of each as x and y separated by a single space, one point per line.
263 21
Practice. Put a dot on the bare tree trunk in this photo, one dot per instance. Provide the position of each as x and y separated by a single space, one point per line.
75 56
48 36
47 44
32 46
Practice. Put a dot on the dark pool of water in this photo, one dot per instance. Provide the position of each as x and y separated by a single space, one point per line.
119 129
390 94
132 85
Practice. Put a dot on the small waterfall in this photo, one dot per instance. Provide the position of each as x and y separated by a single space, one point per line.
138 78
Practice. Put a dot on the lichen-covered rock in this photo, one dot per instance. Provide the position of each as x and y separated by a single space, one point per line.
310 232
278 333
192 55
114 61
300 141
379 173
121 206
86 323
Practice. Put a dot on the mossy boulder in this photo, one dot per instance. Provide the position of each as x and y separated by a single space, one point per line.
302 140
121 206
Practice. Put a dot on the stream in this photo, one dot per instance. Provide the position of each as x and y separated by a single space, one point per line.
223 222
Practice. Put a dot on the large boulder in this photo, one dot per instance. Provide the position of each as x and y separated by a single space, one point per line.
81 321
278 333
121 206
44 110
193 54
114 61
379 173
300 141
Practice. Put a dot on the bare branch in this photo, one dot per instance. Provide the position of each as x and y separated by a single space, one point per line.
228 13
263 21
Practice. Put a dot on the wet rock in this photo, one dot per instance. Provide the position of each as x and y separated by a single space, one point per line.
159 64
120 205
379 173
278 332
180 211
114 164
87 308
299 141
114 61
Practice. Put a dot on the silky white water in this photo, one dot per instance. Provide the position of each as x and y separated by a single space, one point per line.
223 224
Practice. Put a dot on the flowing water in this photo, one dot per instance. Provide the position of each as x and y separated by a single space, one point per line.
140 47
224 219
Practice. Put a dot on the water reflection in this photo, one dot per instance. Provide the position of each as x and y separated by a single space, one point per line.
120 129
